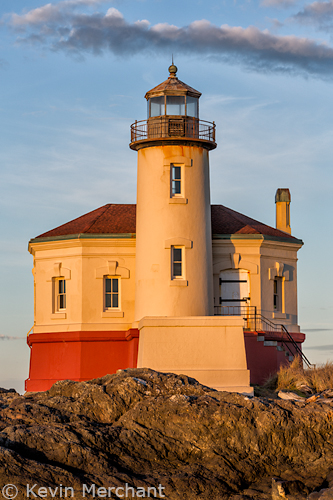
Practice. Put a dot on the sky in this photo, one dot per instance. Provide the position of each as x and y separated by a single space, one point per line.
73 77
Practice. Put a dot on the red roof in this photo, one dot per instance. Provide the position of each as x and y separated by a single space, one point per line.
227 221
121 219
109 219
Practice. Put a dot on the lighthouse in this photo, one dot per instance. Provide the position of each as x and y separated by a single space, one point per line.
173 237
172 283
174 297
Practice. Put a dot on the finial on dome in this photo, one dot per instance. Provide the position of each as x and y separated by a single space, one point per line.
173 69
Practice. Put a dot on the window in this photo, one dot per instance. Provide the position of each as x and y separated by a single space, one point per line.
192 106
277 295
111 293
175 105
157 106
177 263
60 294
172 105
176 180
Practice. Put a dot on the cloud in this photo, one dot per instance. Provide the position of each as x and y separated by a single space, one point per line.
50 12
278 3
317 330
276 24
8 337
328 347
319 14
61 27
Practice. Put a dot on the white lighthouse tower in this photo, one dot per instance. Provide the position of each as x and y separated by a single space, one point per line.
174 302
173 237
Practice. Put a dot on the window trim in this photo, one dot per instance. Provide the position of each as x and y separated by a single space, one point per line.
178 280
180 195
111 309
57 294
278 294
183 162
185 244
175 276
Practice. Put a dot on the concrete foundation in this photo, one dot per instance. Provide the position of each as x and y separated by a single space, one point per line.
209 349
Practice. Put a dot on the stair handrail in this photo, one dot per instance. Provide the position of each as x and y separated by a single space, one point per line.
250 312
284 330
280 326
296 346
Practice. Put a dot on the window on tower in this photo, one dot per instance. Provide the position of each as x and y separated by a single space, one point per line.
111 293
177 262
176 180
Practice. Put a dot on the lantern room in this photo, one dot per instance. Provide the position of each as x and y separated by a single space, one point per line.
172 114
173 98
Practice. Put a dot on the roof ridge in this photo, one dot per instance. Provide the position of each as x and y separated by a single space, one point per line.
240 217
235 213
89 225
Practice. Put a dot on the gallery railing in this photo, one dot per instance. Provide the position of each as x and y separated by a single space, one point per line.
163 127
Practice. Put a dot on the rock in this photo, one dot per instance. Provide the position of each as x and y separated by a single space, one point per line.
327 494
289 396
315 495
322 397
289 490
143 429
304 388
278 489
324 494
7 391
328 393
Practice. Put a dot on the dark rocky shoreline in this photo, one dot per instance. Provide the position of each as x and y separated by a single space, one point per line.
146 429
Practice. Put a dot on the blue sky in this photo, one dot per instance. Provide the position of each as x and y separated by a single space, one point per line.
73 78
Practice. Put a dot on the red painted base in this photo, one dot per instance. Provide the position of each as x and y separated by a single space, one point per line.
78 356
262 360
83 356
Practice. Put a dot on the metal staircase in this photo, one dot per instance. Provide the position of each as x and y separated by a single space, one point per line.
256 322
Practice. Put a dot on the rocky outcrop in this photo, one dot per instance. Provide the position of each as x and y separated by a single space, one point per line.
144 429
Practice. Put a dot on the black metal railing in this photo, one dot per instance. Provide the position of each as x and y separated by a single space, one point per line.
248 313
163 127
255 321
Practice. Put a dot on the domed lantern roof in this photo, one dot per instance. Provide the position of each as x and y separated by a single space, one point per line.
173 98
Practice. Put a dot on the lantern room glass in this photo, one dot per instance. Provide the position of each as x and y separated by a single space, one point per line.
175 105
157 106
192 106
172 105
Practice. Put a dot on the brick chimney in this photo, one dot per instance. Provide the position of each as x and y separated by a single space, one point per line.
282 201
